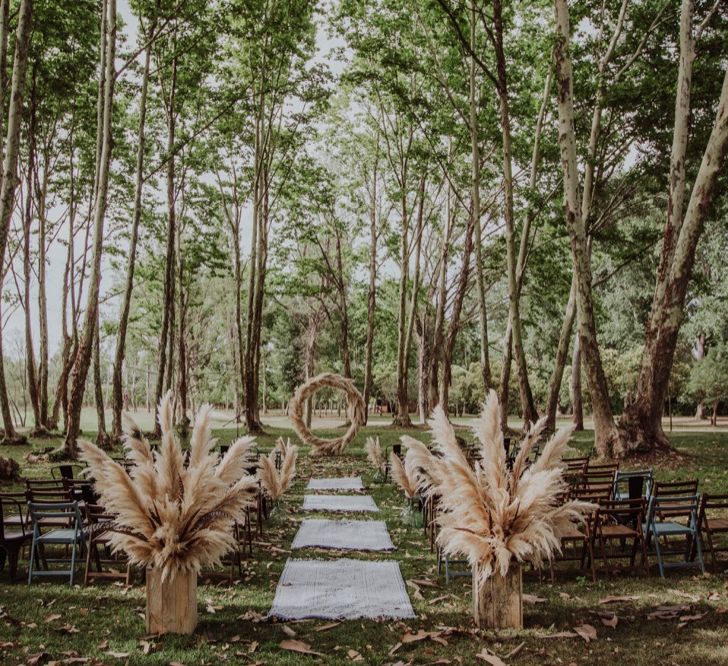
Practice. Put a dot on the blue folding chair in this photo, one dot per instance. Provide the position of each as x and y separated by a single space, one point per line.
674 517
632 485
57 524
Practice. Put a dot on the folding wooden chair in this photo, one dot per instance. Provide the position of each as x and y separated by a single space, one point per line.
45 518
13 536
99 525
675 488
711 525
66 471
620 520
674 517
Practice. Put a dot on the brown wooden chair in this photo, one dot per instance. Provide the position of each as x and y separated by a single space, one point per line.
620 520
576 543
14 517
99 525
675 488
13 536
711 525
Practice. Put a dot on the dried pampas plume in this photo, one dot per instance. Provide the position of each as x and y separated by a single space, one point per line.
275 482
171 515
375 455
401 476
493 515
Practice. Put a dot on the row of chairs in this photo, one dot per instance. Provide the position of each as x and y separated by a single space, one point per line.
652 513
64 512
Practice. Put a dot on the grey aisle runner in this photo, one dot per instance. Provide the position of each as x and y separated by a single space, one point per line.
341 589
343 535
337 483
339 503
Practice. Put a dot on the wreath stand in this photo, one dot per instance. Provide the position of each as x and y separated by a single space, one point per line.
355 411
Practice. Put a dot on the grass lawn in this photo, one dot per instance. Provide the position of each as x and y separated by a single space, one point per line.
103 623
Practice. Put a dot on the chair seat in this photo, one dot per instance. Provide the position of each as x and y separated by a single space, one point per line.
618 531
717 524
668 529
14 520
15 536
573 533
60 536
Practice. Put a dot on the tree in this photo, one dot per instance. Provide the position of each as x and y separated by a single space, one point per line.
683 228
10 163
82 359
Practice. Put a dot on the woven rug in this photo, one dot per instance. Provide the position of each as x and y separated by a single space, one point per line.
339 503
341 589
343 535
340 483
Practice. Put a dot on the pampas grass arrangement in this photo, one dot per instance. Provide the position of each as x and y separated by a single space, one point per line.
173 517
276 482
402 476
495 517
375 455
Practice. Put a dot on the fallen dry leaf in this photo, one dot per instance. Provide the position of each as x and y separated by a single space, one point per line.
488 658
421 635
298 646
326 627
354 655
587 632
118 655
288 631
616 599
532 599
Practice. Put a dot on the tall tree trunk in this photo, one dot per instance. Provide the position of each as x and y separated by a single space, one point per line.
120 353
577 402
562 352
30 364
83 355
475 207
643 418
4 30
528 408
42 298
166 336
343 309
371 293
438 335
457 307
701 413
252 422
402 417
10 164
606 436
102 437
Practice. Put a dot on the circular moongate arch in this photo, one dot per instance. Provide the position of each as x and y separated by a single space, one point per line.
355 411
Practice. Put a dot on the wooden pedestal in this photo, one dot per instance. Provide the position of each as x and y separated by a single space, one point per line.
498 602
172 604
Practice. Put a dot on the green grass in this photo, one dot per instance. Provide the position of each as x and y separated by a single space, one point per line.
105 618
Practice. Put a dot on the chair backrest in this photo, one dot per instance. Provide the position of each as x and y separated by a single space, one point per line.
43 484
675 488
594 495
638 482
48 495
54 511
11 504
711 501
601 467
95 513
626 512
671 508
66 471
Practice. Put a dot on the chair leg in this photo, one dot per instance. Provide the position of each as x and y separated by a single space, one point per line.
712 551
658 554
87 567
13 562
699 551
73 562
2 558
30 561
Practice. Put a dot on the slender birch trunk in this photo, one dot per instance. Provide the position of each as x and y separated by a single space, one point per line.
606 435
83 356
120 353
9 170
